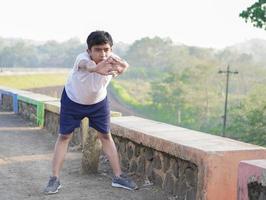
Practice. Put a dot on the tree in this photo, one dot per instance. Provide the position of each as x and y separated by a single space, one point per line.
256 13
151 53
248 120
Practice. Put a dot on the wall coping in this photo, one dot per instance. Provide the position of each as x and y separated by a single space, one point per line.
258 163
51 104
144 130
38 97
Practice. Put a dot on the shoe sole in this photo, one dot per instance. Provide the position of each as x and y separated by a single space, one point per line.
122 186
50 192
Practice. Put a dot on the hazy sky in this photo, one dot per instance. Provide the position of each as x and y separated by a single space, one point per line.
206 23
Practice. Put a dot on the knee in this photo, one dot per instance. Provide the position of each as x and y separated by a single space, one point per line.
104 137
65 138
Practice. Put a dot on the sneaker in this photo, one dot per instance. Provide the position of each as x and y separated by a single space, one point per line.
123 181
53 185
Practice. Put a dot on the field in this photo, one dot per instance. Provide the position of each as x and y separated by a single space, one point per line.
26 81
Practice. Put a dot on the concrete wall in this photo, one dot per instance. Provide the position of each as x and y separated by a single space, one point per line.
252 180
189 164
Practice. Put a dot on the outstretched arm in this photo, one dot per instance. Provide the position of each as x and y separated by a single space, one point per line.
86 65
103 68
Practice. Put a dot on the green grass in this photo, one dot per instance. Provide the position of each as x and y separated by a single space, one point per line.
136 94
137 89
33 80
123 94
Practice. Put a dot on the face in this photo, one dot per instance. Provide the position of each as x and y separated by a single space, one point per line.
99 53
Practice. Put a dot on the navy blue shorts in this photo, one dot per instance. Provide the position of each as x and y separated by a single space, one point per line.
71 114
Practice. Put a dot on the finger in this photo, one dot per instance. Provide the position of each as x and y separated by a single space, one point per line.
112 73
108 60
122 64
110 69
115 58
114 62
114 67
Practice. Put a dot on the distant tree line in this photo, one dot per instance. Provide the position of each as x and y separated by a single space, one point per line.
22 53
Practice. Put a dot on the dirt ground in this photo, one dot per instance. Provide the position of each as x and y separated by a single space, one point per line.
25 154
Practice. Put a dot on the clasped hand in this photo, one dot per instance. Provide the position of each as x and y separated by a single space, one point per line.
112 66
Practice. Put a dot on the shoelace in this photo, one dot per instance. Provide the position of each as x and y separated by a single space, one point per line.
51 181
124 175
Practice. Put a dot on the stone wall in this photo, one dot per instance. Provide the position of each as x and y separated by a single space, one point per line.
252 180
207 164
52 125
256 191
6 103
51 122
176 176
27 111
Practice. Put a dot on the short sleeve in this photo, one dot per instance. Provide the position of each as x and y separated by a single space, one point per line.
83 56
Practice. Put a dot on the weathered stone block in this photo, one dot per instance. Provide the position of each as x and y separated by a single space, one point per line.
166 163
148 154
137 150
157 162
7 103
27 111
157 179
91 153
175 167
168 183
133 166
149 169
141 165
130 150
191 194
182 190
191 176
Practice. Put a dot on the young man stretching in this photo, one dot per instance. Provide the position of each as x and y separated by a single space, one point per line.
85 95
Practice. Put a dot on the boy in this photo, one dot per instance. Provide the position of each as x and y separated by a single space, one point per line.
85 95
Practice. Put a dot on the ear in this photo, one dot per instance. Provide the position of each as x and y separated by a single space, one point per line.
89 51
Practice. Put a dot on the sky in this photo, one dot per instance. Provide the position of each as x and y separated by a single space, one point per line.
204 23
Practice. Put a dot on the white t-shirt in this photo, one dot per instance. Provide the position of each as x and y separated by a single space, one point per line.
84 87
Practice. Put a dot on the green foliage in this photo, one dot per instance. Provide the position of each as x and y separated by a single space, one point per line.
145 52
20 53
249 119
122 93
256 14
195 98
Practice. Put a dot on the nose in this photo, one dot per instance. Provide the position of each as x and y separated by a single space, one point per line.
103 54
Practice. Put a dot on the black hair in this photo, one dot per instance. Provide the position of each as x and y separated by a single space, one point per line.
98 38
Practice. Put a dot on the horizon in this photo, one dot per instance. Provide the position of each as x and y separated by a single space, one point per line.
115 42
206 24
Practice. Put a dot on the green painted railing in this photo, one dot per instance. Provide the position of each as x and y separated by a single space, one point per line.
40 109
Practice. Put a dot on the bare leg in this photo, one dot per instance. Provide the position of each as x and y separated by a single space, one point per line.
60 150
110 150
